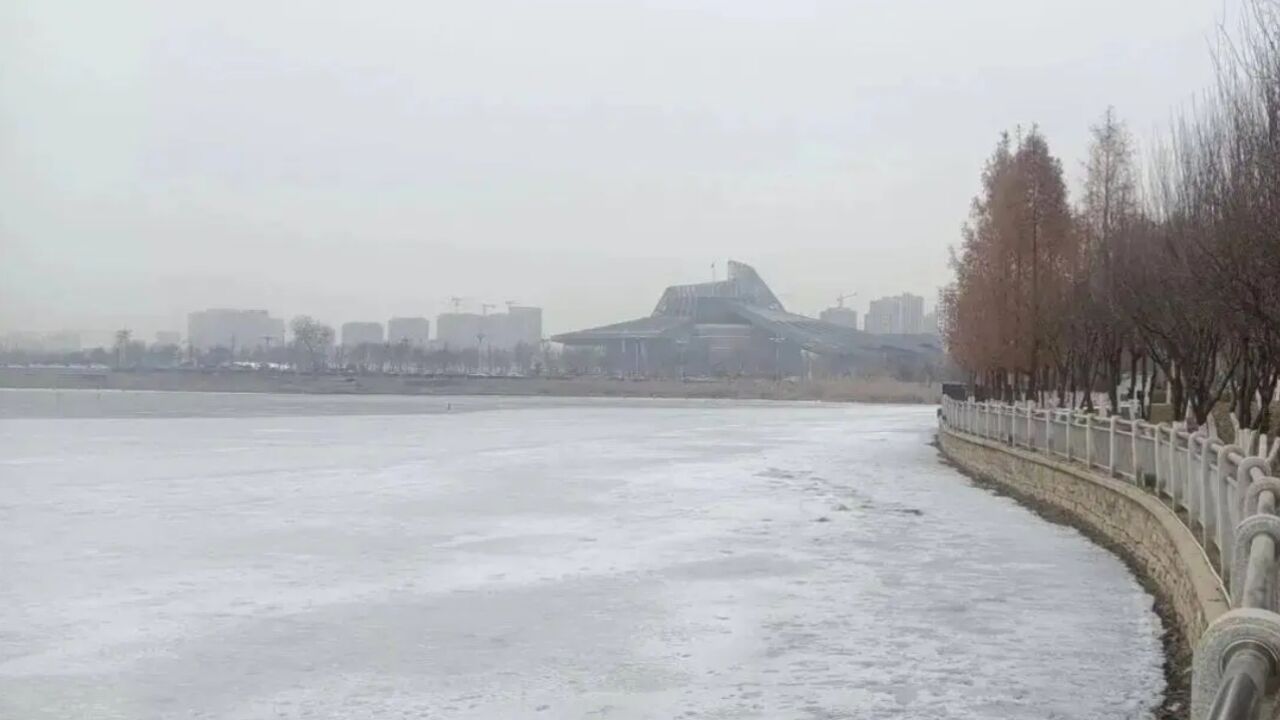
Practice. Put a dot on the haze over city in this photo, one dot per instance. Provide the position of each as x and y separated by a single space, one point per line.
362 161
640 359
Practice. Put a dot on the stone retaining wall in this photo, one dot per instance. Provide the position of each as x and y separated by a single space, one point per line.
1132 521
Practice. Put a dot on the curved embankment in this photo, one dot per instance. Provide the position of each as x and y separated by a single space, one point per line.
1133 524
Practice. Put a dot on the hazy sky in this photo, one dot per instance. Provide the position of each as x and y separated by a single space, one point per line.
357 160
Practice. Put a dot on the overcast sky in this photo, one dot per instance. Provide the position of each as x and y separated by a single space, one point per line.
358 160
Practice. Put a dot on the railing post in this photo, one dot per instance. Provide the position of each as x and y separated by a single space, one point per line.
1192 492
1111 451
1067 428
1184 487
1088 440
1048 432
1134 463
1225 502
1155 456
1206 494
1184 463
1235 664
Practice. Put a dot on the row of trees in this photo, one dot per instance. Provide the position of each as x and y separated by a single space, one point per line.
1170 272
312 349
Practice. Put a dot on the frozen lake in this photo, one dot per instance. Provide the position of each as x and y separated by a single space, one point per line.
304 558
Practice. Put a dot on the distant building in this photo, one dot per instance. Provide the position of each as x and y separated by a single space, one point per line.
843 316
496 330
526 325
361 333
62 341
518 326
499 331
931 324
898 315
414 330
737 326
457 331
912 314
56 342
884 316
19 340
234 329
168 337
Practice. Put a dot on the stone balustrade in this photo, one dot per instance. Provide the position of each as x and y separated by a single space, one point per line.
1196 516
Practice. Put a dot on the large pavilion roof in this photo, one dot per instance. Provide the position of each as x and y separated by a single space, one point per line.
743 285
647 328
745 299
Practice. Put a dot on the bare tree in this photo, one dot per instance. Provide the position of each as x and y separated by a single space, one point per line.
1012 269
1108 216
312 341
122 338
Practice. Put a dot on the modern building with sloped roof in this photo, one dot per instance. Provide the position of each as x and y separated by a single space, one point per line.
737 326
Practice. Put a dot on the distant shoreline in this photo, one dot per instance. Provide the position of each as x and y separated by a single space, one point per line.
874 390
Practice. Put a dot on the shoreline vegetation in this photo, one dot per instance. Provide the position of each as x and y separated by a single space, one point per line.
869 390
1155 284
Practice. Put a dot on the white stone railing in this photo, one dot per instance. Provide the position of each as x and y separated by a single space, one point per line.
1226 498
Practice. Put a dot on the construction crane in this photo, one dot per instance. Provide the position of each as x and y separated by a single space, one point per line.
841 298
457 303
486 307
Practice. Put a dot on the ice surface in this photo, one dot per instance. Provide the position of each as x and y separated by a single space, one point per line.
544 560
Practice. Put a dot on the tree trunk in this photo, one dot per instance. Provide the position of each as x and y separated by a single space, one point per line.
1113 377
1266 395
1133 374
1177 395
